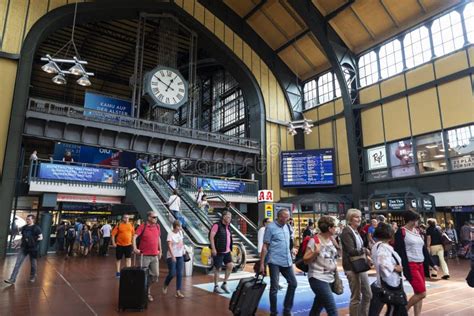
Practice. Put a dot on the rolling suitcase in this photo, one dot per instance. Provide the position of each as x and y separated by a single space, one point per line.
133 289
247 295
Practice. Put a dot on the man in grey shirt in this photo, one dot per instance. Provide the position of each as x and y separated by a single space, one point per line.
276 253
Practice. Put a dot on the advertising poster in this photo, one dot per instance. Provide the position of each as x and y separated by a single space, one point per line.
402 159
218 185
103 103
88 154
377 158
77 173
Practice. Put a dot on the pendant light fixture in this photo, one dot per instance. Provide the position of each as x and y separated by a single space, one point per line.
77 69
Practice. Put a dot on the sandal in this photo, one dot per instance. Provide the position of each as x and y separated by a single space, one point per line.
150 298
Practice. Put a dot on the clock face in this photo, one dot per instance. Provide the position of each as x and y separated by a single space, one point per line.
167 87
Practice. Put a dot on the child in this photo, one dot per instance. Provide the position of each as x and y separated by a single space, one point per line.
86 240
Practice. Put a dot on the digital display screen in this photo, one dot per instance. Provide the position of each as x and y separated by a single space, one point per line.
308 168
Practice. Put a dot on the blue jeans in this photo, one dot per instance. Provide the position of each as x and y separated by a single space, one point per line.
175 269
179 217
289 275
323 299
19 261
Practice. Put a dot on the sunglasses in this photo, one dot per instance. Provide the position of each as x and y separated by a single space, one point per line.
155 217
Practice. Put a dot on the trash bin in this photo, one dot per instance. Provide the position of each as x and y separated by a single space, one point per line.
188 266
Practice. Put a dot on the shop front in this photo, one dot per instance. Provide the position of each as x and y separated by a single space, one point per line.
393 203
310 207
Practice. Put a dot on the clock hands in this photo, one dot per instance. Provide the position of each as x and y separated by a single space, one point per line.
168 87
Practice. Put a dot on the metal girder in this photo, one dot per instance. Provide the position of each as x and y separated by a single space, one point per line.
254 9
337 53
285 77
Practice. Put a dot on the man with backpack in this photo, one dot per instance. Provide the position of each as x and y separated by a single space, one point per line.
70 239
276 253
122 240
147 242
30 236
220 238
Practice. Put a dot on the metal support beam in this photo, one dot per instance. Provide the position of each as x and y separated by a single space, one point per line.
286 78
254 9
335 52
292 41
334 13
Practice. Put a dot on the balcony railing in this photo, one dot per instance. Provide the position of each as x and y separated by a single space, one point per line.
56 108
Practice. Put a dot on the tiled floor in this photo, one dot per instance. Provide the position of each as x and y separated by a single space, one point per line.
87 286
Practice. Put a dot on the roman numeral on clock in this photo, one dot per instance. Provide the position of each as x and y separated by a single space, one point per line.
160 97
181 90
167 100
168 73
155 90
179 96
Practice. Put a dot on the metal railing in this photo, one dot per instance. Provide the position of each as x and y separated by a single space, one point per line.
56 108
35 165
251 233
152 194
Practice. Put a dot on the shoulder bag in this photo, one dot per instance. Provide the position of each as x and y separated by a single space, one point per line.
389 294
359 264
337 287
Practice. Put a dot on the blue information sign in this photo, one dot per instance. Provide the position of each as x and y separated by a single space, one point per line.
77 173
218 185
308 168
103 103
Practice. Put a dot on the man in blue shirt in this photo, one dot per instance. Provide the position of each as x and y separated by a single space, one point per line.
276 253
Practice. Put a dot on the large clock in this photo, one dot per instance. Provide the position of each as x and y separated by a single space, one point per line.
165 87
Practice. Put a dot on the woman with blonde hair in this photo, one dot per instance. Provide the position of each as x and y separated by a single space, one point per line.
355 262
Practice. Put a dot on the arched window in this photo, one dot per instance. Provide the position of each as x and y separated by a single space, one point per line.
417 47
368 69
391 59
469 21
310 95
326 88
447 34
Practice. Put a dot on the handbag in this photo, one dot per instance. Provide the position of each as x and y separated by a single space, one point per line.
337 287
186 256
388 294
359 264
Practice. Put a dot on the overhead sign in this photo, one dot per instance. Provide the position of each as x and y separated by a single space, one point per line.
77 173
396 204
221 185
265 196
308 168
377 158
427 204
89 198
103 103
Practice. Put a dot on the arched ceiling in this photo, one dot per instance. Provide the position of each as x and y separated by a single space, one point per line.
361 24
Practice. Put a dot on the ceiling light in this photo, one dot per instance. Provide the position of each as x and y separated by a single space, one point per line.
50 68
76 70
431 146
84 81
59 79
438 156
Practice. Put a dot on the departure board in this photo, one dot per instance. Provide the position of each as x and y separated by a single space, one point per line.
308 168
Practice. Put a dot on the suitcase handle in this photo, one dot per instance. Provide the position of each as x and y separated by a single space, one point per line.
135 260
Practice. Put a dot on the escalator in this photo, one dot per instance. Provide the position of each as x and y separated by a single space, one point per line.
145 195
247 235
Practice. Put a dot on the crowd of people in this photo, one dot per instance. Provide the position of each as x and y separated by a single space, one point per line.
394 253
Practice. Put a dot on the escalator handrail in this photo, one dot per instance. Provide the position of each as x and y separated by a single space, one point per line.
194 243
235 229
220 197
196 210
139 175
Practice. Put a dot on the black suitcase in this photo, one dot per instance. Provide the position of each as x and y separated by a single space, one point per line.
247 295
133 289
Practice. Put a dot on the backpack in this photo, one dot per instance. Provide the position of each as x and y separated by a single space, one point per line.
71 233
299 262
